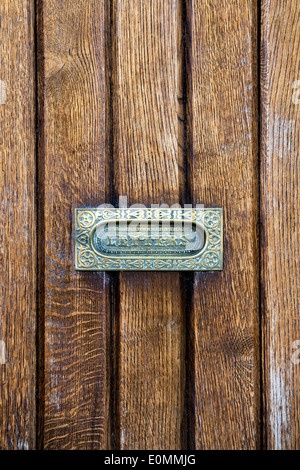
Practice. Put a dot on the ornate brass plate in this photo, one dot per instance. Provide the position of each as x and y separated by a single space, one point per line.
149 239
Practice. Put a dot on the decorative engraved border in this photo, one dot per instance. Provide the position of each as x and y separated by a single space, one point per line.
209 259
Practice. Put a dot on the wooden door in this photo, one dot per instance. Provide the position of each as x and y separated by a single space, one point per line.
164 102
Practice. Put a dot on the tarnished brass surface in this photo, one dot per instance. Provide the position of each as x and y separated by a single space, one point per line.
148 239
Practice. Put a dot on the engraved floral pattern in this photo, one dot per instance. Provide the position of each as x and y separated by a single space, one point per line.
211 219
87 258
209 259
86 218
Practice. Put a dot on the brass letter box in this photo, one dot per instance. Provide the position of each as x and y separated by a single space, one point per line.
148 239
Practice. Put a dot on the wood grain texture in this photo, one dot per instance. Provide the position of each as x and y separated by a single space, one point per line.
17 226
148 168
280 206
222 172
72 166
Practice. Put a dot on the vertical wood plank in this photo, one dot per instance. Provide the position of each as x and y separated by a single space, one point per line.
280 206
148 169
72 174
17 226
222 172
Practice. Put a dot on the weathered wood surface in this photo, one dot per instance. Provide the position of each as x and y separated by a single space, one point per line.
148 168
222 172
17 226
72 173
111 118
280 206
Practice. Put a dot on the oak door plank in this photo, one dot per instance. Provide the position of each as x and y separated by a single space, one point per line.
72 174
222 172
17 226
280 211
148 169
